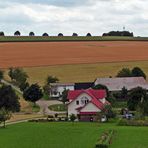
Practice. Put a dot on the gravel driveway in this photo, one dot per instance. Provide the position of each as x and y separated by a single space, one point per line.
44 106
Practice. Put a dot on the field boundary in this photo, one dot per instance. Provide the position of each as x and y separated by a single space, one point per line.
68 39
53 65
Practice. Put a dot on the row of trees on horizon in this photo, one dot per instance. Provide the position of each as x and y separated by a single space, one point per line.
111 33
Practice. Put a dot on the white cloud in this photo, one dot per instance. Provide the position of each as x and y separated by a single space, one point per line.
95 16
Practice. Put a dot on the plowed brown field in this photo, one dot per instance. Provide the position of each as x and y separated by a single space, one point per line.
54 53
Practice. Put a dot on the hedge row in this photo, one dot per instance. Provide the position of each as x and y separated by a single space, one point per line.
105 140
49 119
125 122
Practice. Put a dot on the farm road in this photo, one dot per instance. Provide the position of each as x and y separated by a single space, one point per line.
13 86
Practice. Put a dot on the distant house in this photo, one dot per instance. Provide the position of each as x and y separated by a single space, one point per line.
85 104
58 88
116 84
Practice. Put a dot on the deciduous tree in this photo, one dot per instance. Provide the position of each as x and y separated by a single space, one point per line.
88 34
136 95
19 76
31 34
64 95
1 75
72 117
51 79
8 99
17 33
4 116
2 33
9 102
74 34
45 34
60 34
33 93
138 72
125 72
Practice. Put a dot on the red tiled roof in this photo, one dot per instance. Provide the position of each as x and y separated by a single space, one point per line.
98 94
95 95
98 103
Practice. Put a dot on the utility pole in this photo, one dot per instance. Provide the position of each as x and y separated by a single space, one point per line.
123 28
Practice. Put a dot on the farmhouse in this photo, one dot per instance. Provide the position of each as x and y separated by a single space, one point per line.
58 88
116 84
86 103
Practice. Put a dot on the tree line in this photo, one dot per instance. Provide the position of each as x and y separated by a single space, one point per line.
119 33
111 33
18 33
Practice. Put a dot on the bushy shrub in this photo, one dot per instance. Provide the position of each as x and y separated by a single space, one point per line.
105 139
41 120
50 116
124 122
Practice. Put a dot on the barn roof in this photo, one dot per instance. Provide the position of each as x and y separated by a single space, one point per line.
116 84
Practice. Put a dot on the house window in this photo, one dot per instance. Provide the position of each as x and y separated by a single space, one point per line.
77 102
86 101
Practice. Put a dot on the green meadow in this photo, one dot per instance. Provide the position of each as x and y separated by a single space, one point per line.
70 135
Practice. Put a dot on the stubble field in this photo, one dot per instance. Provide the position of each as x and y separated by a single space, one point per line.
30 54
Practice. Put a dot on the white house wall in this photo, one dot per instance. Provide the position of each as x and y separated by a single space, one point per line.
72 106
60 89
103 100
90 107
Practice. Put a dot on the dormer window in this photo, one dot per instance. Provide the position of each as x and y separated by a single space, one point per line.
84 100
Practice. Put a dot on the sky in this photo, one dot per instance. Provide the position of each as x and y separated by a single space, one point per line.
68 16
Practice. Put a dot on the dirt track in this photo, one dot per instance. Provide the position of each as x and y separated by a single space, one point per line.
53 53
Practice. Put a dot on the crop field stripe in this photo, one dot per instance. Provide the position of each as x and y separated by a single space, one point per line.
61 53
68 38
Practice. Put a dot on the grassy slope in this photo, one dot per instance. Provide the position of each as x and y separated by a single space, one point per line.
80 72
68 135
69 38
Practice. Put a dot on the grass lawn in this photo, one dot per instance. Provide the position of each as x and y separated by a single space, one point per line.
69 135
35 108
58 107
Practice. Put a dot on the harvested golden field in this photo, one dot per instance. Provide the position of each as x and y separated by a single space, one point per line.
28 54
80 72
